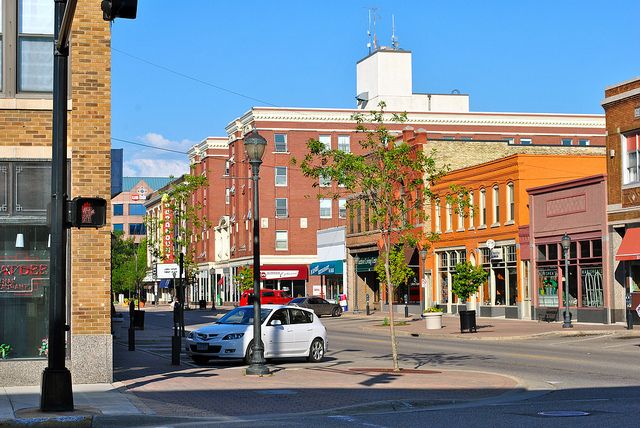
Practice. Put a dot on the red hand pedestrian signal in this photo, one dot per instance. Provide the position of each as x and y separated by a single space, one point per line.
87 212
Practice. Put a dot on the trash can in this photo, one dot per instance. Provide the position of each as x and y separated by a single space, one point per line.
468 321
202 304
138 319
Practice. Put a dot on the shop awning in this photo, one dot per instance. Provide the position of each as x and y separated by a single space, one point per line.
333 267
284 272
630 247
165 283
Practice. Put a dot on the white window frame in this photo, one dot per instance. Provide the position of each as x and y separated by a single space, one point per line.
227 196
324 182
483 208
282 240
460 219
438 217
449 218
278 177
342 208
584 142
495 199
526 141
564 142
286 208
344 143
326 208
511 203
626 176
471 211
275 143
325 139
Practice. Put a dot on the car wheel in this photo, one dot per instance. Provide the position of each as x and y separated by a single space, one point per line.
336 312
199 359
249 353
316 351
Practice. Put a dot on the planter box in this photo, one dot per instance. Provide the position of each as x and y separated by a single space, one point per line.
433 320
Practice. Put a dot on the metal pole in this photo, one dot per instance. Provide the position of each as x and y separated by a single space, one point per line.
567 314
56 388
258 363
356 310
182 293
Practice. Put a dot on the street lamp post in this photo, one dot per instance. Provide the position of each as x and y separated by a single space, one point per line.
566 244
427 293
356 259
254 145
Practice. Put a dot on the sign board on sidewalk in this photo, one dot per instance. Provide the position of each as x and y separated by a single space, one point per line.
169 271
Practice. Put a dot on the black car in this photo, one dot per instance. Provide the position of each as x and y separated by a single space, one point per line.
318 305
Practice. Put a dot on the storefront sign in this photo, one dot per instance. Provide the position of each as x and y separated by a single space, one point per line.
23 277
333 267
169 271
366 263
283 272
167 232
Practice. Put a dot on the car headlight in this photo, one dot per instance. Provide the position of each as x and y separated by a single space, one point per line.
190 336
233 336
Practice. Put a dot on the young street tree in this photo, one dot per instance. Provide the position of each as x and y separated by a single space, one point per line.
128 264
391 177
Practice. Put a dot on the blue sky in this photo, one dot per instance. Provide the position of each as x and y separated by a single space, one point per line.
178 69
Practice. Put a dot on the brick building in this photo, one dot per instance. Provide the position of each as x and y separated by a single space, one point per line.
25 191
128 205
498 193
622 109
290 211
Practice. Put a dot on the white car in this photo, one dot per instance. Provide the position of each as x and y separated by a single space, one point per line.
286 332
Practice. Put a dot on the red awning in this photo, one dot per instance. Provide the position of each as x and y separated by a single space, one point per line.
630 247
284 272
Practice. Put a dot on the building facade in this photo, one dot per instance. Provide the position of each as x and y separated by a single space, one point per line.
575 208
622 109
25 191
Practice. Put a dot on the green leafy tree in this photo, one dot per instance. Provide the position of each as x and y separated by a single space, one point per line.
400 272
244 278
467 279
128 264
391 177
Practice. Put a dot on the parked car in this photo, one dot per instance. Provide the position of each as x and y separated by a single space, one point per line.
286 332
319 305
267 297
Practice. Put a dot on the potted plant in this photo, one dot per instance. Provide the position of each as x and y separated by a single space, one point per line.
466 281
5 348
433 317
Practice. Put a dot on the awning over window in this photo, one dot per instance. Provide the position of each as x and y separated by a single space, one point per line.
284 272
333 267
630 247
165 283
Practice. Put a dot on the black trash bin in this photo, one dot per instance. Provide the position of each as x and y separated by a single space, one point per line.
202 304
138 319
468 321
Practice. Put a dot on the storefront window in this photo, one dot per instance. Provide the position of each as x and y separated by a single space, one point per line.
24 259
548 286
447 268
505 274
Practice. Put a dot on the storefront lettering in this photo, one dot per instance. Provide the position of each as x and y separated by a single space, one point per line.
11 285
24 269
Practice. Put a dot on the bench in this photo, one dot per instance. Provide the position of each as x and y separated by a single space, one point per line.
547 314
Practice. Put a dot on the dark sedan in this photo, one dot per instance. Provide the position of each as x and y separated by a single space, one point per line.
318 305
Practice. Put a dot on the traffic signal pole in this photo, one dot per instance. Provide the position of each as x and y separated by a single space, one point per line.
56 389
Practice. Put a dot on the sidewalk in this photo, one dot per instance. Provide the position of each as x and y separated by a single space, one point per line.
489 328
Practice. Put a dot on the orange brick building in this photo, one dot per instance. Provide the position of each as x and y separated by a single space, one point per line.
25 183
498 193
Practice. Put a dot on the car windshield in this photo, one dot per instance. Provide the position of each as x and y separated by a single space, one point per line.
243 315
298 300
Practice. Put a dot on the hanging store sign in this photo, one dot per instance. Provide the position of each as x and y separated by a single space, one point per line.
167 232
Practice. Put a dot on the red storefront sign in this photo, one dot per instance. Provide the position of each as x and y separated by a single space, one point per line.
23 277
167 233
288 272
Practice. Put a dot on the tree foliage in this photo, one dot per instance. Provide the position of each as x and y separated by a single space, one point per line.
393 179
400 271
244 278
128 263
467 279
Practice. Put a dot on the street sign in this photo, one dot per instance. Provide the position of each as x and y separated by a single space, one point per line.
169 271
490 244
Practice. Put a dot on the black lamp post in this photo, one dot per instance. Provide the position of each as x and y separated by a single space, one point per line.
566 244
427 292
254 144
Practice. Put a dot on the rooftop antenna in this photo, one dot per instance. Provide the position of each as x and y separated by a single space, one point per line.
394 41
372 45
369 33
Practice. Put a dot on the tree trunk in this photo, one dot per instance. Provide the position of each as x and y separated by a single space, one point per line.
392 327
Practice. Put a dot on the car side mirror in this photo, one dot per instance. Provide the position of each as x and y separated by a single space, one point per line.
276 322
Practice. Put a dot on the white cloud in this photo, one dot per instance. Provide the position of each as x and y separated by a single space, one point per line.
155 167
158 140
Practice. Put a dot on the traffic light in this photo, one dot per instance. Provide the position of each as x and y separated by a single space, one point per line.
112 9
87 212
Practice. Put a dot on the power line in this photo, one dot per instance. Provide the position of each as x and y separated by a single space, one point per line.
195 79
148 145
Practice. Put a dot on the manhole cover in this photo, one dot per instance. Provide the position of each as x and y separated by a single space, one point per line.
563 413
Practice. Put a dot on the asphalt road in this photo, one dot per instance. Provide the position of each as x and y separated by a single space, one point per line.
596 376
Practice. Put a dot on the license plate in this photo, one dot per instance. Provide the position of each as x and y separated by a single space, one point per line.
202 346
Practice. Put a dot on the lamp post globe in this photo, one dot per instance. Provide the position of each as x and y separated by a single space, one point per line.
566 245
254 145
